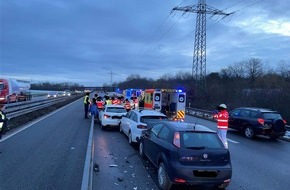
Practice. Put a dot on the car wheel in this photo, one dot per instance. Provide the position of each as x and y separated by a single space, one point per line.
278 126
249 132
163 180
141 150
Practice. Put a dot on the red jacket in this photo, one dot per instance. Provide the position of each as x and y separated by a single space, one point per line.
100 104
222 119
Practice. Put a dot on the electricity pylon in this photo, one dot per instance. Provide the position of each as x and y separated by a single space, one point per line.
199 54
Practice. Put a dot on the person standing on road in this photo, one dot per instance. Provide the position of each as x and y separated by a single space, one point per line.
222 118
93 108
86 104
3 121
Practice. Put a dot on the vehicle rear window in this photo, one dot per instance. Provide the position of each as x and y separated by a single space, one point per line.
201 140
116 110
145 119
1 86
272 116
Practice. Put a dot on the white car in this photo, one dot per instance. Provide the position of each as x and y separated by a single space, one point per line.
136 121
111 116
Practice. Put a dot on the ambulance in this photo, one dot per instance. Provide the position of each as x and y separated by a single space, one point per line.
171 102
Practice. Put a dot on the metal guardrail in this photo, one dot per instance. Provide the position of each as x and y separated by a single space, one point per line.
20 108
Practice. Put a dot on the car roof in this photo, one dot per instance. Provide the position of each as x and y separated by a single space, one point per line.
185 126
258 109
148 112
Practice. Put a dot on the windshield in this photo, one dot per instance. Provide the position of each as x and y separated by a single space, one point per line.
145 119
116 110
1 87
201 140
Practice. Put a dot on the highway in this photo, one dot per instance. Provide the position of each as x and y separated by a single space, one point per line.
50 154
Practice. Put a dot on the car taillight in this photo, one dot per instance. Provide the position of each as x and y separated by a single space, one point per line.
141 126
284 121
262 121
106 116
176 139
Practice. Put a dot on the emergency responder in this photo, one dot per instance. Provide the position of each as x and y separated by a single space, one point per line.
127 105
222 118
3 121
94 109
114 101
136 102
108 101
86 104
100 103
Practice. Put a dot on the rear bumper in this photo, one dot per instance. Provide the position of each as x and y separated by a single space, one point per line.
200 175
111 122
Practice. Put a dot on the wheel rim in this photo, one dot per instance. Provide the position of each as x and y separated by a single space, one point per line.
249 132
161 176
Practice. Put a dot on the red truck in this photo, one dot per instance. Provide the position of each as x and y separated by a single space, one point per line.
14 90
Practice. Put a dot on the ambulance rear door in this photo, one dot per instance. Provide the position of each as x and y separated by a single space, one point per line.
181 105
157 100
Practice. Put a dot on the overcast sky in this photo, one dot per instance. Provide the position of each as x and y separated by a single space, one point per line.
84 41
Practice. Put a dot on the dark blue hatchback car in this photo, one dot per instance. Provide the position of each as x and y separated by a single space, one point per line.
186 153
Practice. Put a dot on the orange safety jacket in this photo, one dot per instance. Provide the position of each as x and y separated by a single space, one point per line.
100 104
222 119
115 102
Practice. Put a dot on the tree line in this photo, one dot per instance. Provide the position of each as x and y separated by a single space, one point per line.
245 83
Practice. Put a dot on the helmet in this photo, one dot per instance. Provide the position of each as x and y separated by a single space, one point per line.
223 106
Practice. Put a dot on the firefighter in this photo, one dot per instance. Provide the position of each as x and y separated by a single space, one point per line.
86 104
127 105
108 100
222 118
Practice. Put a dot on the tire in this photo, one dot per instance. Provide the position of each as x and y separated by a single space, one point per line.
163 179
102 126
141 150
130 138
249 132
278 126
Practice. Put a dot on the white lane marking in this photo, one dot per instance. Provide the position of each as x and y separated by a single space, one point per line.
32 123
88 172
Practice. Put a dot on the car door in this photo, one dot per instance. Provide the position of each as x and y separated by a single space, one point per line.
125 122
235 119
151 147
133 122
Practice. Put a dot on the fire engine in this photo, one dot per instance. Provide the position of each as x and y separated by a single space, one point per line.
171 102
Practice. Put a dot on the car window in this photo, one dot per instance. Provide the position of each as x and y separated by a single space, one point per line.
245 113
128 114
165 134
272 115
235 113
133 117
201 140
254 114
149 118
156 128
116 110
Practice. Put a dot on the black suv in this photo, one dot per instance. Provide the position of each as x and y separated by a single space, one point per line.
257 121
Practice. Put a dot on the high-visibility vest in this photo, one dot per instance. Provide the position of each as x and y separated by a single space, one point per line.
100 104
222 119
85 99
109 102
